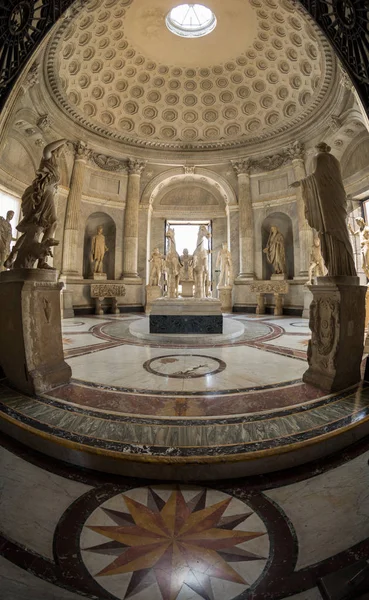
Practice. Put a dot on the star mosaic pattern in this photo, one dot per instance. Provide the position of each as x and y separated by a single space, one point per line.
179 541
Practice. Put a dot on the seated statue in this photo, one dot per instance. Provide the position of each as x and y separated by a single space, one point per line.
316 268
157 267
275 252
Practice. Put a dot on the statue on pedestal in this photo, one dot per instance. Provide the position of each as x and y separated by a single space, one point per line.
326 212
98 249
172 264
5 237
275 252
39 214
156 268
316 268
363 233
201 264
224 261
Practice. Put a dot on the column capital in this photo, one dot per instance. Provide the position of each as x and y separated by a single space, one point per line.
136 167
242 166
79 150
296 151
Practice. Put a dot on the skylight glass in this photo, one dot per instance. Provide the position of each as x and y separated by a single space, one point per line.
191 20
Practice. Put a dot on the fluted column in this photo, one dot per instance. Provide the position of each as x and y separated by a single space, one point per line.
70 265
246 219
130 229
305 231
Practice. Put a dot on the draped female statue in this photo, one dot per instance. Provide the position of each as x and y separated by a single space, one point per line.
38 207
326 211
275 252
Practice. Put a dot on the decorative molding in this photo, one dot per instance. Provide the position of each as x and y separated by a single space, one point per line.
108 290
108 163
269 287
295 151
44 122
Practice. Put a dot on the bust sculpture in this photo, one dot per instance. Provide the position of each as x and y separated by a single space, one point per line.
275 252
156 268
98 249
39 214
316 268
326 211
186 272
224 262
363 233
5 237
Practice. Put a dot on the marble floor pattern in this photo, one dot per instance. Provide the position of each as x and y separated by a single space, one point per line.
69 533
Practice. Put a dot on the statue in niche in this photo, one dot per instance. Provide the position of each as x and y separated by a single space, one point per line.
98 249
275 252
5 237
224 261
316 267
363 233
157 267
326 212
172 264
186 273
39 214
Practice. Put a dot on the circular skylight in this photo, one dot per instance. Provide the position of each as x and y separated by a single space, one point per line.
191 20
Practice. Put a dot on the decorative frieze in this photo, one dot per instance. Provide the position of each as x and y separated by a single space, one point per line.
270 162
269 287
109 163
108 290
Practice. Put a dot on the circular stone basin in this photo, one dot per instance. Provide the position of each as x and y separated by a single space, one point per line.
231 329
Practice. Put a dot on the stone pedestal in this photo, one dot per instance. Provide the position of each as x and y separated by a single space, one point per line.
337 316
153 292
225 297
308 298
278 277
186 315
31 351
99 276
187 288
67 310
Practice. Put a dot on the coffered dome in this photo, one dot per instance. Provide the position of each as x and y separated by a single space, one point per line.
117 70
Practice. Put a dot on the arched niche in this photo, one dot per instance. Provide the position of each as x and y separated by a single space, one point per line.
284 225
109 230
356 157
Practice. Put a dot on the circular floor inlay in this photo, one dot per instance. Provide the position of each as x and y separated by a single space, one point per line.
184 366
174 543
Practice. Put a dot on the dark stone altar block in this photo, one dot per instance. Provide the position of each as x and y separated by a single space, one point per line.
202 324
31 351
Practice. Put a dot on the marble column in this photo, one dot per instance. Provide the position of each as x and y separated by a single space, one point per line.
305 232
246 219
130 230
70 264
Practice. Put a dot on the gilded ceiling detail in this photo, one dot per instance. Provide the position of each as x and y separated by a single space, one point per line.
103 81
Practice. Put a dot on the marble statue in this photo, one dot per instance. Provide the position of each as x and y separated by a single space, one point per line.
363 233
98 249
201 264
5 237
326 212
224 261
156 268
316 267
275 252
39 214
172 264
186 273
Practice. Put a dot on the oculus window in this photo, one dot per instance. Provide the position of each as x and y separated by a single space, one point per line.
191 20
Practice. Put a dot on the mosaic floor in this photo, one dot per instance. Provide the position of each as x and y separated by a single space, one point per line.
105 537
176 403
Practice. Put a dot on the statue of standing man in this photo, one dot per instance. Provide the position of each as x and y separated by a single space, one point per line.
156 269
5 237
98 250
224 261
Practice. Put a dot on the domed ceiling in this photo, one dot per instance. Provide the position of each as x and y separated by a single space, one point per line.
117 70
